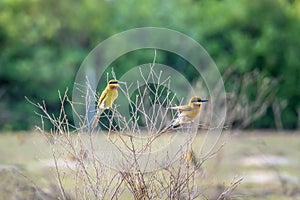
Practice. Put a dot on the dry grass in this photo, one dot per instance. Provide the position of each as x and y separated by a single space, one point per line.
33 159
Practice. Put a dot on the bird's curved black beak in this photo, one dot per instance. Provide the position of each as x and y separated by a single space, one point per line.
204 101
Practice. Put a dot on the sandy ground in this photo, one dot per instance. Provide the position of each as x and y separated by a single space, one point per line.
268 162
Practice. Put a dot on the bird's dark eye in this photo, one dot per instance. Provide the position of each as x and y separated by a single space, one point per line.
113 82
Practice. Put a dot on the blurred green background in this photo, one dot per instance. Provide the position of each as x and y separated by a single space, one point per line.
43 42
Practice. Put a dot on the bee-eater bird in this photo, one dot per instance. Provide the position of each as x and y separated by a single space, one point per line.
187 113
108 96
191 158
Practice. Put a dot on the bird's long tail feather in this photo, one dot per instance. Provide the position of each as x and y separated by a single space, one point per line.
97 117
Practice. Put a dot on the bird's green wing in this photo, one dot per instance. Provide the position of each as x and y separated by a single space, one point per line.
182 108
102 97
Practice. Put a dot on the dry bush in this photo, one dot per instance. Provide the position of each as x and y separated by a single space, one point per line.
242 108
140 170
248 97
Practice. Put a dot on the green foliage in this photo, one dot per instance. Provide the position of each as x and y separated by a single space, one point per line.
43 43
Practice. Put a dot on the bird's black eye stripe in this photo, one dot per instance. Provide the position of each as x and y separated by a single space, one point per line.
196 100
113 82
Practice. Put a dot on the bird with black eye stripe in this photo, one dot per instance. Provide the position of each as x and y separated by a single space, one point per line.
107 97
187 114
